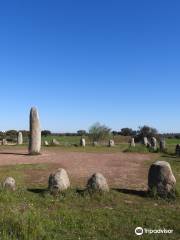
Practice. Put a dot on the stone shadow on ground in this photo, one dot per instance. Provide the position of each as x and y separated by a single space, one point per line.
40 191
81 192
171 155
139 193
10 153
175 158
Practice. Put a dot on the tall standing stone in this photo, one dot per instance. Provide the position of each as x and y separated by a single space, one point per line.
20 138
35 133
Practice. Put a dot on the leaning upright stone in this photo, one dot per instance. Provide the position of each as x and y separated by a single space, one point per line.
161 179
132 142
111 143
19 138
46 143
145 141
97 182
83 142
162 145
35 133
154 143
55 142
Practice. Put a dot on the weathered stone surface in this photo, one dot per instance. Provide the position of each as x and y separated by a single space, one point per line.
161 178
162 145
111 143
97 182
35 133
55 142
83 142
46 143
149 145
145 141
132 142
95 143
154 143
59 181
10 183
178 150
20 138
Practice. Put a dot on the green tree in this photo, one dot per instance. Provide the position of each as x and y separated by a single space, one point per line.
11 133
99 132
127 132
81 132
45 133
147 131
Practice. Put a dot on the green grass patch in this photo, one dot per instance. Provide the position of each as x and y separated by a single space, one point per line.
139 148
32 213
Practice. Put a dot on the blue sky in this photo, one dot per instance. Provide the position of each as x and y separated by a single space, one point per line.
116 62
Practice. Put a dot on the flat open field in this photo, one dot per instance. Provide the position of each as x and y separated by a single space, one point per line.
121 169
32 213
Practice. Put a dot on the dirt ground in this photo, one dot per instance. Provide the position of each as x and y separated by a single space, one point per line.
122 170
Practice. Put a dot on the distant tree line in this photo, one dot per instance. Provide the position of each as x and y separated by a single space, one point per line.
98 132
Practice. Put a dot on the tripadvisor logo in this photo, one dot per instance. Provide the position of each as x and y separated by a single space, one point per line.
140 231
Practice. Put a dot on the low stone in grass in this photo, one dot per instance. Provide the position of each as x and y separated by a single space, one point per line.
9 183
162 145
97 182
145 141
83 142
161 180
132 142
58 181
55 142
95 143
4 142
149 145
178 150
111 143
154 143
